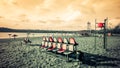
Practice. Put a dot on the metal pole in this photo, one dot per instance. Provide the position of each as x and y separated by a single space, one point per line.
106 31
105 38
95 35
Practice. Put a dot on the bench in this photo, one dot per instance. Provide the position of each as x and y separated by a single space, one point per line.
45 42
53 46
60 46
63 46
50 43
71 48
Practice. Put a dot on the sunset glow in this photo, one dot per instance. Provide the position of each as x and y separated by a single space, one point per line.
57 14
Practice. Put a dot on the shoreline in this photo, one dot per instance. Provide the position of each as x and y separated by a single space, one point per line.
16 39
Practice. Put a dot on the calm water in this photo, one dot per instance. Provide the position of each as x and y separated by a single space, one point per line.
6 34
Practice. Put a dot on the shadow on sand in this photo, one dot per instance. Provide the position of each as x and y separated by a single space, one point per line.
92 59
34 44
97 60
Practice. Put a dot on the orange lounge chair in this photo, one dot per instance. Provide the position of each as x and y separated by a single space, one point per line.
45 43
70 48
53 45
58 45
63 46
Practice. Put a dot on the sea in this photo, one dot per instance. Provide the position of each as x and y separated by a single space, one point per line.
4 35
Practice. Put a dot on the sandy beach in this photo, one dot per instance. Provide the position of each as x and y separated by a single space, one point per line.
15 55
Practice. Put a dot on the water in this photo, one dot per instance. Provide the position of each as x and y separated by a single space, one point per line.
6 34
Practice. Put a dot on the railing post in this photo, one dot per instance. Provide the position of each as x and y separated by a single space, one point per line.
105 37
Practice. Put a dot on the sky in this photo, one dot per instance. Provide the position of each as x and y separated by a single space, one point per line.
58 14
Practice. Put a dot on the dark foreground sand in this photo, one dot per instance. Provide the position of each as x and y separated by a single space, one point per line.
15 55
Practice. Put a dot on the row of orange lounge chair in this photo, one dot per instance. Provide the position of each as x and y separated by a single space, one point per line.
58 45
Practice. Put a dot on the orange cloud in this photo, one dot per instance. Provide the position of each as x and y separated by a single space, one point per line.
62 14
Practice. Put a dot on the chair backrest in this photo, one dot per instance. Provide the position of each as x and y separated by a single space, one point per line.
72 41
64 46
51 39
55 40
65 40
58 45
44 38
43 42
54 45
71 47
46 43
47 39
60 40
72 44
49 44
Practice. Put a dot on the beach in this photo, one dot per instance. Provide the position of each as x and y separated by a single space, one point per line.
13 54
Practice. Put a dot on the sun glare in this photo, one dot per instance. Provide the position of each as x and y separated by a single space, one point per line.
70 14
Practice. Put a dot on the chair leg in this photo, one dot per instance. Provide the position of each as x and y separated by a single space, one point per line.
77 53
67 57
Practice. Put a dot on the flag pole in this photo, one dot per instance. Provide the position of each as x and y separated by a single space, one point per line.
95 35
105 33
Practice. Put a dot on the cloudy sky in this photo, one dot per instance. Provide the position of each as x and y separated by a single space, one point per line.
57 14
